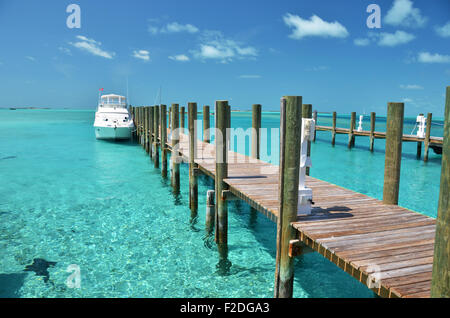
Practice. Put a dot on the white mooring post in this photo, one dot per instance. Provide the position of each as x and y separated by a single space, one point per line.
421 120
360 122
304 193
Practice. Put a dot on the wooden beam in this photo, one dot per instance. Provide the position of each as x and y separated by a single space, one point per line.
193 179
372 130
291 119
440 286
163 110
333 131
222 125
206 124
175 157
393 153
427 137
351 135
256 130
315 121
307 113
156 136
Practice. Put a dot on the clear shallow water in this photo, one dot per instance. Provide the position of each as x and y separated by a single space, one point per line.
68 198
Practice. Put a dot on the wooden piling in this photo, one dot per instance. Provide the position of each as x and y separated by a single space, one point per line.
440 285
393 154
351 135
333 132
206 125
256 130
372 130
151 124
182 112
210 211
163 111
315 121
427 137
291 118
193 179
156 136
138 127
222 124
146 129
175 176
307 113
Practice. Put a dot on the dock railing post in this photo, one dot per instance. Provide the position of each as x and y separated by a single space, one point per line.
393 153
163 111
175 133
290 124
182 126
333 132
193 179
372 130
419 147
256 130
440 283
222 125
351 135
141 125
206 125
315 121
156 136
307 113
427 137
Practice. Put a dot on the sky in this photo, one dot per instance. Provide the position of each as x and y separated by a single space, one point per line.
246 52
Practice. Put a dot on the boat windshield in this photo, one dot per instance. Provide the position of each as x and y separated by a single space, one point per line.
113 100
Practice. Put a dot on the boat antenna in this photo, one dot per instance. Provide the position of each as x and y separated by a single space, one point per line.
128 100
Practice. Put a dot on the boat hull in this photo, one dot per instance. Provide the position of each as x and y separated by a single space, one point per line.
113 133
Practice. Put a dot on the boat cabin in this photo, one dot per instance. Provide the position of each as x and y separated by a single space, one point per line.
113 100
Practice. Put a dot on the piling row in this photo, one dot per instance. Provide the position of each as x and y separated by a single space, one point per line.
153 126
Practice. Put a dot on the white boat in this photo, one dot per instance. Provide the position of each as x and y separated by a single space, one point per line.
112 119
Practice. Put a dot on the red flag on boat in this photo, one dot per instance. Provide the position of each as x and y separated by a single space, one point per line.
101 89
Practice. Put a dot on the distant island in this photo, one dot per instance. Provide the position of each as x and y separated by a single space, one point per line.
14 108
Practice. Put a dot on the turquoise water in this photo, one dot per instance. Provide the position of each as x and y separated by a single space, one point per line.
70 199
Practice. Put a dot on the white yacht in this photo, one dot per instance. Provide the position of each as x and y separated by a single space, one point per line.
112 119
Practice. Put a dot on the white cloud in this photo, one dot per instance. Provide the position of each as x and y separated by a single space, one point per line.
142 54
91 46
250 76
402 13
173 27
315 26
180 58
407 100
31 58
215 46
411 87
393 39
361 42
426 57
444 30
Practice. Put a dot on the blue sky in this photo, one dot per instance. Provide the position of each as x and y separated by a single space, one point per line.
246 51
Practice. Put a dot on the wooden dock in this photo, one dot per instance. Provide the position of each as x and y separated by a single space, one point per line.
390 249
357 233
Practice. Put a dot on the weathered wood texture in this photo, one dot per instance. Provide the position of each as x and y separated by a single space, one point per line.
441 267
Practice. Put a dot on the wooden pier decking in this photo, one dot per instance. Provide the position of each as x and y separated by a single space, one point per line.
359 234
